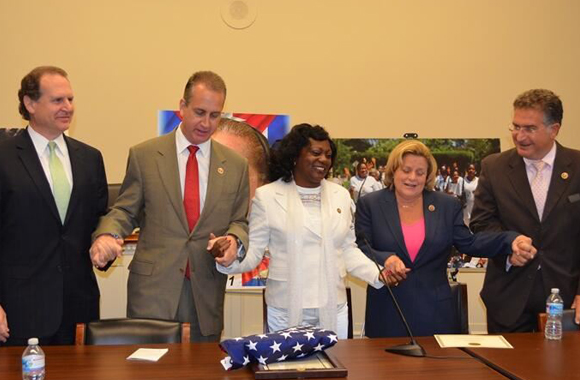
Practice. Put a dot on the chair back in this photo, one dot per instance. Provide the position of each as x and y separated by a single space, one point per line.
459 294
131 331
6 133
568 323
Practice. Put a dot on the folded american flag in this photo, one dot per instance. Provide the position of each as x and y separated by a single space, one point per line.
292 343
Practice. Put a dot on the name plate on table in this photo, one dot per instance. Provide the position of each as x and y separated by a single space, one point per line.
315 366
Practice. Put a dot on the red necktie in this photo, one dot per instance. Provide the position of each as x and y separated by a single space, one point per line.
191 194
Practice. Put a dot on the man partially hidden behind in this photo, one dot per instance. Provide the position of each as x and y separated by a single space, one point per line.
53 190
182 189
533 189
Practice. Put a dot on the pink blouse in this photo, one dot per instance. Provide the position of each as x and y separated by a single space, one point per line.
414 235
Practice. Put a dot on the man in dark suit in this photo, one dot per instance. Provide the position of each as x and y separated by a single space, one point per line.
180 189
53 190
533 189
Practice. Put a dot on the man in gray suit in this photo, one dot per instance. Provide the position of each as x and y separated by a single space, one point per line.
181 189
533 189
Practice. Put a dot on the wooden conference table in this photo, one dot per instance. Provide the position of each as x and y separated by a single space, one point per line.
364 359
533 358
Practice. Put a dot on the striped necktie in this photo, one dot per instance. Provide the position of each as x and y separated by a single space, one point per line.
60 184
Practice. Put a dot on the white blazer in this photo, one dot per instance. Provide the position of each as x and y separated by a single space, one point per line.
269 228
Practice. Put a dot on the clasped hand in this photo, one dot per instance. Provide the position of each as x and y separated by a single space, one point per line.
394 271
104 249
224 249
522 251
4 330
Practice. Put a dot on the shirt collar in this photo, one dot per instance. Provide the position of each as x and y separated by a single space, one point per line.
548 158
41 143
182 143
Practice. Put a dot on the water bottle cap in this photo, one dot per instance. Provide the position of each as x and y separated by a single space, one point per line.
555 290
33 341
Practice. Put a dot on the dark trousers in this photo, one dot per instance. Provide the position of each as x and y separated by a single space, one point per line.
63 336
186 312
528 320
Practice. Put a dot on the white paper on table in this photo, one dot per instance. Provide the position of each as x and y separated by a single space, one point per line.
148 354
472 341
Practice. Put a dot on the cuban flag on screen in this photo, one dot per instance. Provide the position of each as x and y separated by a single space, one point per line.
274 127
167 121
292 343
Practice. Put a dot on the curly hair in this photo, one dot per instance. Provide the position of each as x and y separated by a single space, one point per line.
30 86
285 152
542 100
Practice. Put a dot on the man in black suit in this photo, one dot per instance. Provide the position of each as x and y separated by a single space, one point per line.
53 190
533 189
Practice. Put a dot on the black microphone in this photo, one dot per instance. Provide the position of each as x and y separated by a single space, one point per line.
412 348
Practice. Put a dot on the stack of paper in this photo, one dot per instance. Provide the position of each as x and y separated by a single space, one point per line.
148 354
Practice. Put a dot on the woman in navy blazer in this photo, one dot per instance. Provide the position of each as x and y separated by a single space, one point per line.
413 228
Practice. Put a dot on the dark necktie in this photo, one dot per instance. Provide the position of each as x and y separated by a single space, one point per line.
191 194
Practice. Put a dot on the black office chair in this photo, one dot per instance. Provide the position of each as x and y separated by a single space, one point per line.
131 331
348 302
459 294
6 133
568 323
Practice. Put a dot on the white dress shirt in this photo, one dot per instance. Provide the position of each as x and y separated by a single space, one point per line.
203 157
41 145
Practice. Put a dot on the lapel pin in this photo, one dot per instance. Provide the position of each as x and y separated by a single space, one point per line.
220 170
431 208
338 210
564 175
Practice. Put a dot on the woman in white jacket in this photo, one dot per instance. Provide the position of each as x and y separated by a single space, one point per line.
306 223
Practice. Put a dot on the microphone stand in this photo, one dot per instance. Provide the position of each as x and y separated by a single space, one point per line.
412 348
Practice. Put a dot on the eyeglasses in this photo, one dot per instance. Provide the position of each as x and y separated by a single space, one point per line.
528 129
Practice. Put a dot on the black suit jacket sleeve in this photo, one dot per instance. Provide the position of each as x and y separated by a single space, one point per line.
485 215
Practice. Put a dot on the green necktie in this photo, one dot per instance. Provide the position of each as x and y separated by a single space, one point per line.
60 185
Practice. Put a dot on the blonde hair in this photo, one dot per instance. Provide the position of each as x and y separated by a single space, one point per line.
416 148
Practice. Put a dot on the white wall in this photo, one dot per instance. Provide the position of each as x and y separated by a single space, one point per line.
361 68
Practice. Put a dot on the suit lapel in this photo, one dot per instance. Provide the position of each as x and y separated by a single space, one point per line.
78 174
31 162
168 168
390 212
281 195
559 182
327 195
520 184
218 173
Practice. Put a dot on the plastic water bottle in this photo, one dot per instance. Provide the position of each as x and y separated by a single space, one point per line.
554 309
33 361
